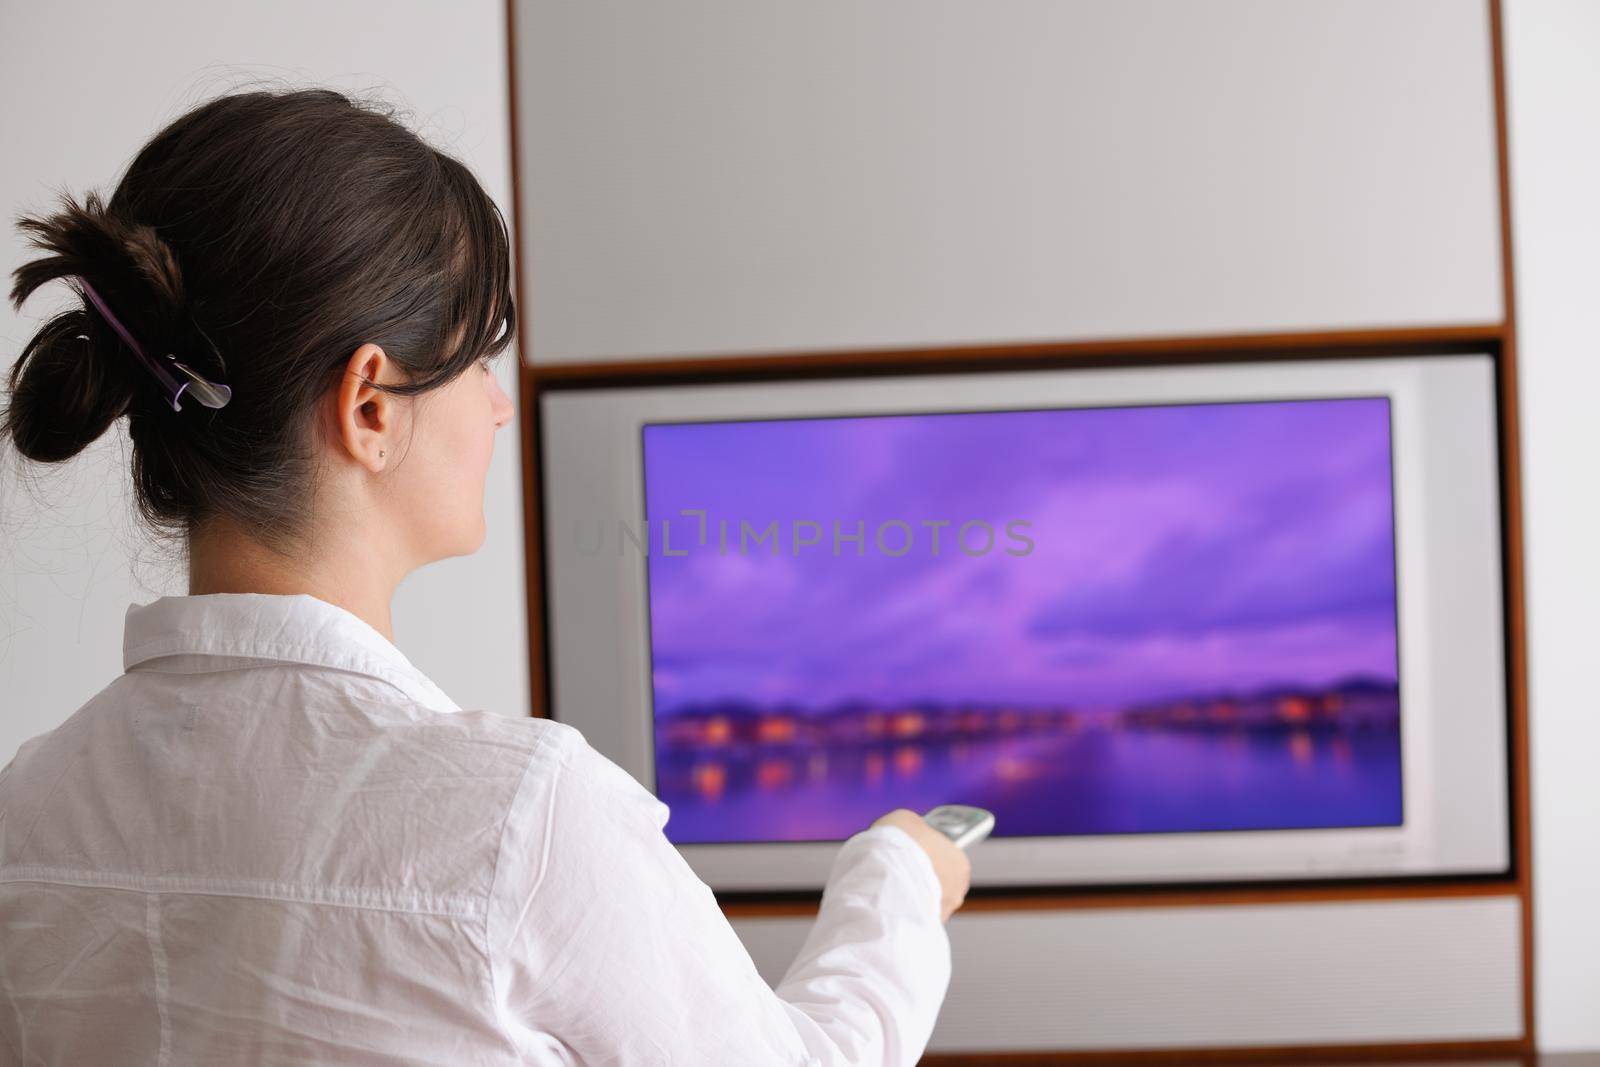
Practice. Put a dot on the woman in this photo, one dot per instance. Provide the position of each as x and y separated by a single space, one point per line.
272 839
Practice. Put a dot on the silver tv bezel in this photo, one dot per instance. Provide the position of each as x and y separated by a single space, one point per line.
1450 609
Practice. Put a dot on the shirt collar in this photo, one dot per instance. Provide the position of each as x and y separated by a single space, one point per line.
222 631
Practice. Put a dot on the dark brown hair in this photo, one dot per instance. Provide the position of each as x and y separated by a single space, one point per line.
261 238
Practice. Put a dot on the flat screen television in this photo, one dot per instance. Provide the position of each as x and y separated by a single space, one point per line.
1200 623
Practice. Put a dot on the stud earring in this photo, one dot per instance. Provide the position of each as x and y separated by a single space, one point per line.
380 453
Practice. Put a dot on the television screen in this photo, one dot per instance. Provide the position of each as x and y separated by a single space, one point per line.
1172 618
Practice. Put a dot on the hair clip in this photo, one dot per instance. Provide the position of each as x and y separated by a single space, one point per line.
211 394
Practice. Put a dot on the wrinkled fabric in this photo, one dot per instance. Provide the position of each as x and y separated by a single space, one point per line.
272 840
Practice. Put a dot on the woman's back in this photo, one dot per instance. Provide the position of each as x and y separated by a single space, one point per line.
267 832
274 841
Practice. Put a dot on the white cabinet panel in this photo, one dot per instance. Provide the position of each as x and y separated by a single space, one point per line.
716 177
1368 972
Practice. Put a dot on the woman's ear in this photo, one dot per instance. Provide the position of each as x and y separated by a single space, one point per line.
364 416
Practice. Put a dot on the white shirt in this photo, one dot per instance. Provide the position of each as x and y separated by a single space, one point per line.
273 840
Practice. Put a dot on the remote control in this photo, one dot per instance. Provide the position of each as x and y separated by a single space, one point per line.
961 823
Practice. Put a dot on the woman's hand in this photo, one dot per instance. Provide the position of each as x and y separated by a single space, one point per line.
949 862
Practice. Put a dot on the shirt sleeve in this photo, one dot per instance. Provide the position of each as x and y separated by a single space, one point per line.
606 944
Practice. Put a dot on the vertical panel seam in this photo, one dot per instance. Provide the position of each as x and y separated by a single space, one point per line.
158 959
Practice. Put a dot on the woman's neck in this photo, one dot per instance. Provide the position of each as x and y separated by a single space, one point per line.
225 560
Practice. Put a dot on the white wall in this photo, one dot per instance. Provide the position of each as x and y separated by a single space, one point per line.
71 556
1553 93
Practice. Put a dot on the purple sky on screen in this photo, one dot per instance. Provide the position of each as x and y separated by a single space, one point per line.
1177 549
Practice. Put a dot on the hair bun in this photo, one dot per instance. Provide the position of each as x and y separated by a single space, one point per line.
76 376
